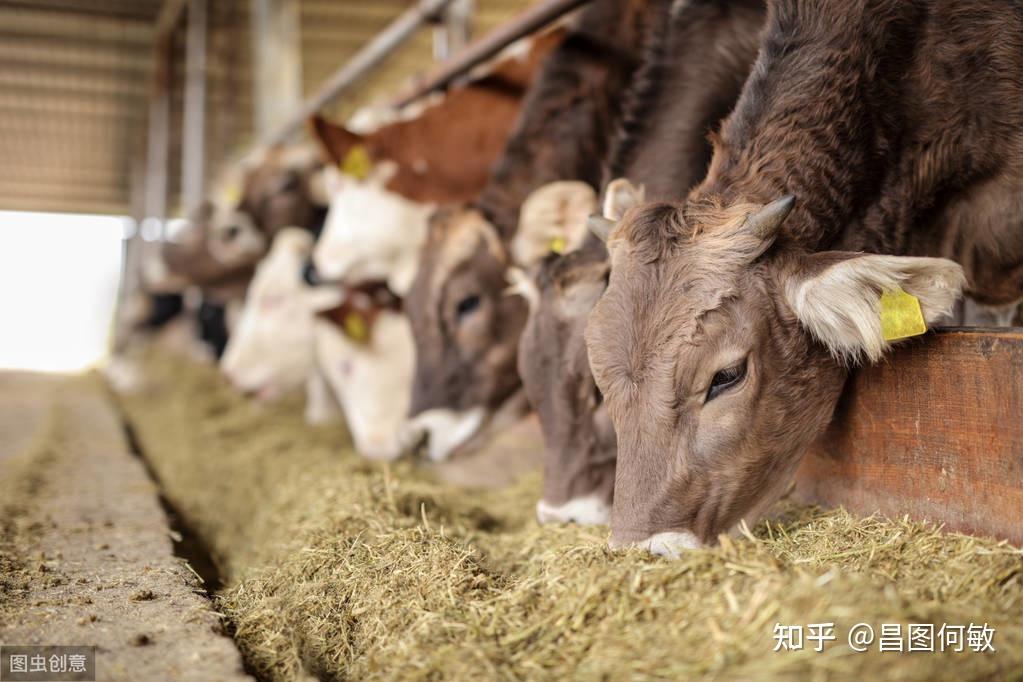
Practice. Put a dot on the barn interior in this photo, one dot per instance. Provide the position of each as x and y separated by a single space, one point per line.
174 526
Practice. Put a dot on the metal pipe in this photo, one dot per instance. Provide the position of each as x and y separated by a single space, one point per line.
158 140
194 125
533 19
385 42
276 62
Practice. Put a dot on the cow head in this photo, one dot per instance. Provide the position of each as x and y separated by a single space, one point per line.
282 188
466 327
372 231
271 350
364 351
579 441
721 355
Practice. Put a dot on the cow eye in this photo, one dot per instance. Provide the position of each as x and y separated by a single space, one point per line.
725 379
232 233
467 305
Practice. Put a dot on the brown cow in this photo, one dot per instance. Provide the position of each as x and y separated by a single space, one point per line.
694 71
727 330
466 328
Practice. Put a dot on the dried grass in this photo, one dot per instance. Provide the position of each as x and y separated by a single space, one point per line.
342 569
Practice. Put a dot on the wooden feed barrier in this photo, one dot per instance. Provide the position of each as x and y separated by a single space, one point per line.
935 431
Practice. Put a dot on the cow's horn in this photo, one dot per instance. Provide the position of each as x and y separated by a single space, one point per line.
600 226
767 220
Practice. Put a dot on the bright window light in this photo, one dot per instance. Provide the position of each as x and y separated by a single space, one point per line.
59 275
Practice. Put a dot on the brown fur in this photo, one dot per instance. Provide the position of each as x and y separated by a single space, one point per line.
446 153
898 125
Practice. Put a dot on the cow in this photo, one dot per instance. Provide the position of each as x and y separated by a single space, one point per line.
465 325
230 232
384 184
694 68
271 351
350 347
873 158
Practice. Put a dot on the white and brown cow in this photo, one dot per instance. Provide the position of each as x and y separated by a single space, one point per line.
871 144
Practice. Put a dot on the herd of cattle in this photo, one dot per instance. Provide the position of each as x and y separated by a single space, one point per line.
761 175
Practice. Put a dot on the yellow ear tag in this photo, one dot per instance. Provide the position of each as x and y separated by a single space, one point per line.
357 163
901 316
232 195
557 245
355 328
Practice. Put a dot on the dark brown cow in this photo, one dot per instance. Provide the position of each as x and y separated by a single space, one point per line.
466 327
726 333
693 73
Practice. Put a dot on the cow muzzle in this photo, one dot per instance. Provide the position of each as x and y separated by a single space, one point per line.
439 433
669 544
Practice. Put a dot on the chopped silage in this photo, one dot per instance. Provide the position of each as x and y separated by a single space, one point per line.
345 569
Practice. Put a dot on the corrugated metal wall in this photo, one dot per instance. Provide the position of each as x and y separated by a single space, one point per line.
75 79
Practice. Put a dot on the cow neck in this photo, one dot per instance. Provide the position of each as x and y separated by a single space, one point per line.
827 135
360 307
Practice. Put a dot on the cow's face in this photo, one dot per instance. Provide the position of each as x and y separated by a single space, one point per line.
720 358
466 328
579 453
371 233
284 190
234 239
371 378
271 350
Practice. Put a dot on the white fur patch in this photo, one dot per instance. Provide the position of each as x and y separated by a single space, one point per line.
371 233
587 511
372 383
671 545
840 306
445 430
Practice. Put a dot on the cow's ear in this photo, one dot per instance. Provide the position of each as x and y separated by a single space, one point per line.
552 219
335 141
857 304
619 196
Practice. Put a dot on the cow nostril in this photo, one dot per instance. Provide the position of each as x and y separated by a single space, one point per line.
309 274
232 232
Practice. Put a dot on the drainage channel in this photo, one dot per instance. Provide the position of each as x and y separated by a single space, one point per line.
187 544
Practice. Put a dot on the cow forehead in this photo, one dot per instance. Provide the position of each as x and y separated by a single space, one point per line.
368 211
455 238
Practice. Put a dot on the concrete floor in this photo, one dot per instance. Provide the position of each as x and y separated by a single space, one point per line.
86 556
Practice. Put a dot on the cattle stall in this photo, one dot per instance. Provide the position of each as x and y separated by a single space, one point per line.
511 339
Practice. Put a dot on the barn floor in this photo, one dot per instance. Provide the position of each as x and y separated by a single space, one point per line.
337 568
85 549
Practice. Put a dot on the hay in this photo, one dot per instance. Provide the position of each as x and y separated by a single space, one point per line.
342 569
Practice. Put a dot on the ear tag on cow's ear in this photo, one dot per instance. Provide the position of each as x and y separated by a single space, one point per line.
901 316
357 163
356 328
232 195
557 245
